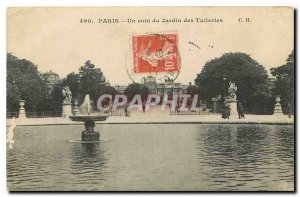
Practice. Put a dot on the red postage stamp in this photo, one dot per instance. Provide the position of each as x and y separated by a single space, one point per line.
155 53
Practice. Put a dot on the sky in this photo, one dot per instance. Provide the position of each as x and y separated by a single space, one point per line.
55 39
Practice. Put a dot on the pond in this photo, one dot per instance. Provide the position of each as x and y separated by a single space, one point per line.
153 157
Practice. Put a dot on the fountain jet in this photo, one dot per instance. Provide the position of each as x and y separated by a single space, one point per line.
89 134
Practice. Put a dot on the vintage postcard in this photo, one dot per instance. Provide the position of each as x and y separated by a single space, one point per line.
150 99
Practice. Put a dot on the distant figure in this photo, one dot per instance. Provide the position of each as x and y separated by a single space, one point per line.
228 111
126 111
176 108
240 110
289 110
144 108
225 111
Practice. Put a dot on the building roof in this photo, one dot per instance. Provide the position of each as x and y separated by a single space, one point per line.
51 76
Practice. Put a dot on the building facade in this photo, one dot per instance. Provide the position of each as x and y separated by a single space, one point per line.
52 80
157 88
163 88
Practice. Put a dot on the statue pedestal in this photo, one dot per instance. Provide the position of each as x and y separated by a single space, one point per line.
277 107
22 113
75 109
278 110
233 107
215 104
66 110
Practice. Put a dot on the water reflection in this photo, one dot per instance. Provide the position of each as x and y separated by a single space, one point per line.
88 162
156 157
239 155
284 145
87 154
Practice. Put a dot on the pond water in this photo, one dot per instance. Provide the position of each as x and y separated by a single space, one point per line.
153 157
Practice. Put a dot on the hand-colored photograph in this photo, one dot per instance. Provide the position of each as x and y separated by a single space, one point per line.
150 99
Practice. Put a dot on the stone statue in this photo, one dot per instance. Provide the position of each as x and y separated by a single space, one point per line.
232 90
67 94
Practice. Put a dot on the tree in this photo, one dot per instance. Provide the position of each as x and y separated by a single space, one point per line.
90 80
284 84
109 90
24 82
136 89
249 76
73 81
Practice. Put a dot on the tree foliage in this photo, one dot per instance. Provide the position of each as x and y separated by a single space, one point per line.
90 80
73 81
24 82
284 84
192 90
249 76
54 101
136 89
